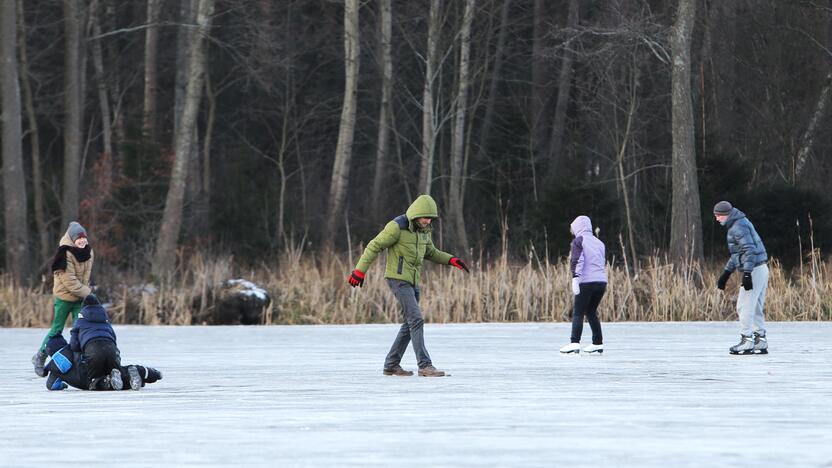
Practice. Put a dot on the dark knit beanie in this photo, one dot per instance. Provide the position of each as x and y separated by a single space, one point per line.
76 231
723 208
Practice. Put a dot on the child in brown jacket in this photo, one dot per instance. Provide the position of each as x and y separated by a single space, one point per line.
71 269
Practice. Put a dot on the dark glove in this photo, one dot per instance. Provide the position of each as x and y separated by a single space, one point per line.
746 281
457 262
356 278
723 280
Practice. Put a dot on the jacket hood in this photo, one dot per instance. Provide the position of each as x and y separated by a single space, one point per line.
581 225
733 217
423 207
65 240
94 313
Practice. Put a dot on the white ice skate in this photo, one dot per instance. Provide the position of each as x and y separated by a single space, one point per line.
594 349
571 348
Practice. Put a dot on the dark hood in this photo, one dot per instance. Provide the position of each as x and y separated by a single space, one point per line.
733 216
94 313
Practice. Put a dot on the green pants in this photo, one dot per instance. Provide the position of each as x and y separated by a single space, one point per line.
62 310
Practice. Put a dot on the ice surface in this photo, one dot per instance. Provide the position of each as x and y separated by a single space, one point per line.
662 395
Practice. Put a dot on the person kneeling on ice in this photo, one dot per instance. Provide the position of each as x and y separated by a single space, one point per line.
748 254
68 368
94 337
407 239
589 282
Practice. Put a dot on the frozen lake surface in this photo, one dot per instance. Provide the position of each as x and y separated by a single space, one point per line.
663 395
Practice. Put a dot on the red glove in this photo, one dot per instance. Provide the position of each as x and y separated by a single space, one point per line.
356 278
457 262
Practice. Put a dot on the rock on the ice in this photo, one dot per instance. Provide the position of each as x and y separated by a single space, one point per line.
236 302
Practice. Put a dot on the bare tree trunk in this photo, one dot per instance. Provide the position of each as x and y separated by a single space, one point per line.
488 119
621 177
540 76
343 151
686 219
428 111
457 197
164 260
204 204
808 140
14 179
74 110
34 137
151 80
384 119
103 98
564 90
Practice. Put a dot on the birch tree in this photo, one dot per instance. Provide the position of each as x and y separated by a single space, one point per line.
457 145
343 150
384 113
428 111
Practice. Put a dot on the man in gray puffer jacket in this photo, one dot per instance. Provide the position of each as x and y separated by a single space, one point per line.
748 254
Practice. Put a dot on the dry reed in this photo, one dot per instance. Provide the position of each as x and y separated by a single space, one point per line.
306 290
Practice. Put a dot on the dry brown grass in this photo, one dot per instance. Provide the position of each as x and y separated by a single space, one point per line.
307 290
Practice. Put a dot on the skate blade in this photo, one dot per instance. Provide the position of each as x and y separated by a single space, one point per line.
595 353
570 353
761 351
741 353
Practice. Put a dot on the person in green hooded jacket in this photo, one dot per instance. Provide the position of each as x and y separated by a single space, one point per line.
407 239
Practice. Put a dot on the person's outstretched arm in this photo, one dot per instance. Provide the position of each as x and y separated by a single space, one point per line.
444 258
386 238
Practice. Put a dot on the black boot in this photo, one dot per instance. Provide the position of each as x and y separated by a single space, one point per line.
151 375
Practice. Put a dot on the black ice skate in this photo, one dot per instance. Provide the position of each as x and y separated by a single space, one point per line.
760 343
745 346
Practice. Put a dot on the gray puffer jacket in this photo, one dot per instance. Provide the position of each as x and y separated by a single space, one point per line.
744 244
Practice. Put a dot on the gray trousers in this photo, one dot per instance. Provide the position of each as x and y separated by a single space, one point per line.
750 304
412 328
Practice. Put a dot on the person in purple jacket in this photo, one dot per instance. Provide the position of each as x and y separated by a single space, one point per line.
589 283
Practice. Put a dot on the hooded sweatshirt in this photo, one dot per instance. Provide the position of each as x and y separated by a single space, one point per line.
407 245
744 244
588 258
92 323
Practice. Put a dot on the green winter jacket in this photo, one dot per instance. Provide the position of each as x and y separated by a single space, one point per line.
407 246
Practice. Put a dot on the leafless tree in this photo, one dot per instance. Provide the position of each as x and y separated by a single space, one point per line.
457 195
164 259
34 141
74 108
686 219
385 110
343 151
14 180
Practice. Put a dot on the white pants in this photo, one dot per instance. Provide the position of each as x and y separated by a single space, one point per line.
750 303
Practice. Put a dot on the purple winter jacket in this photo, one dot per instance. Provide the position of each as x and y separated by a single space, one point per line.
588 257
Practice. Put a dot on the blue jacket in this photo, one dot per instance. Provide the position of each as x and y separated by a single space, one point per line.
744 244
92 323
